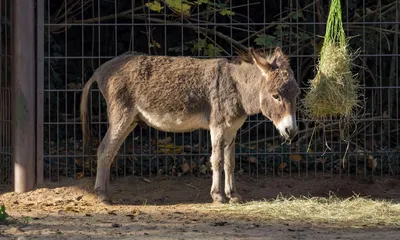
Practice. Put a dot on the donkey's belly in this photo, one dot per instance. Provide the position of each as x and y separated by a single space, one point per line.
174 122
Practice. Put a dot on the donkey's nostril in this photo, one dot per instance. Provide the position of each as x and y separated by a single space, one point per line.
290 132
287 131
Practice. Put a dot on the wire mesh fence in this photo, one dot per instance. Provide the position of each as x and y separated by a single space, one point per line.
5 93
81 35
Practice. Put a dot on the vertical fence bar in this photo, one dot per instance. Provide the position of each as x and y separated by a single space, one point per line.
23 97
39 90
5 95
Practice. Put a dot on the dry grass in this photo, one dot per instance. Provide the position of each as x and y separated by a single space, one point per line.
350 212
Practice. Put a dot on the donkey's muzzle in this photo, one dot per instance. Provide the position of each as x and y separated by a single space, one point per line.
291 132
287 127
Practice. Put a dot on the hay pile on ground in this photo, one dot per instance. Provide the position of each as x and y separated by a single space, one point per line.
334 90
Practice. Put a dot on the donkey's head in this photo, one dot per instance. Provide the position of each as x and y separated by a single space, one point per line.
278 91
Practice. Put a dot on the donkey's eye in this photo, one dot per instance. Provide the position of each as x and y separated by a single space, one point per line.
276 96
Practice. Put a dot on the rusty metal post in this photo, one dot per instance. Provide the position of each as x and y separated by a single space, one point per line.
23 94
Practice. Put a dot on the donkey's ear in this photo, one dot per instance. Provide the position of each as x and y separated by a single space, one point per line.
280 60
261 63
278 52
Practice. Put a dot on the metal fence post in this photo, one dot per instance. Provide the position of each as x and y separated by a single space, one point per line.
23 97
39 90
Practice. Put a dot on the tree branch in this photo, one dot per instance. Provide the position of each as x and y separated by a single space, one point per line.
56 29
273 24
128 14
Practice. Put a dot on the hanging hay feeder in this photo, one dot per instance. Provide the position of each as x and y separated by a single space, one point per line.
334 90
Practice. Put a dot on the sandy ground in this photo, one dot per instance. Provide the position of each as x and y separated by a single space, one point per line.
173 208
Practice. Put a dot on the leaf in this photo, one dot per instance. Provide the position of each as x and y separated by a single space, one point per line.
164 141
135 212
179 7
178 49
147 180
154 44
3 214
170 149
71 209
322 160
303 36
185 167
203 169
73 85
154 6
271 147
198 45
252 159
192 166
27 219
282 165
297 15
372 163
385 114
295 157
112 212
213 51
266 40
79 175
225 12
199 2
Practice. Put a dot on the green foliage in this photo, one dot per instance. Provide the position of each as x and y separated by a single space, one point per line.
199 2
205 48
179 6
155 6
225 12
3 214
202 46
154 44
27 219
297 15
184 7
267 41
284 33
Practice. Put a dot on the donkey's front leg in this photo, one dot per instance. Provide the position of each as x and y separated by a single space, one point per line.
229 168
217 158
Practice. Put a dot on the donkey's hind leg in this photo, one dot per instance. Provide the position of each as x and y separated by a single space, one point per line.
121 125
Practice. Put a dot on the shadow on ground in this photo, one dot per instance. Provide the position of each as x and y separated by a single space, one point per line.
190 190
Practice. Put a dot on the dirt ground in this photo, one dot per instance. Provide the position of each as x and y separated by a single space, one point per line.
162 208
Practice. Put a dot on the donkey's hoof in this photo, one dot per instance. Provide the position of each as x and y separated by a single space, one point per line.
236 198
218 198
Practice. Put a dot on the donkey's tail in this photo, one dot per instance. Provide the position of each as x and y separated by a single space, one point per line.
85 115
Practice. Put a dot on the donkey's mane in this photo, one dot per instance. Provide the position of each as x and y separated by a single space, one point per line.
245 57
281 62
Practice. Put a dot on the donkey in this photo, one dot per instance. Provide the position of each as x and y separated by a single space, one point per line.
182 94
